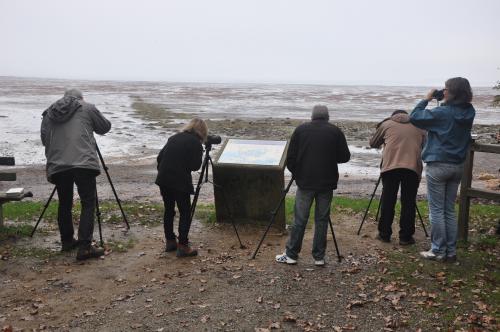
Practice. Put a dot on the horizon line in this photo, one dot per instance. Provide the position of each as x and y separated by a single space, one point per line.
317 83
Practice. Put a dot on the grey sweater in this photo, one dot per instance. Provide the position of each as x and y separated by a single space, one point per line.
67 134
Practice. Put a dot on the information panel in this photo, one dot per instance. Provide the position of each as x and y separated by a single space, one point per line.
252 152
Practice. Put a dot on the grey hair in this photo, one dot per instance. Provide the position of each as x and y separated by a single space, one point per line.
75 93
320 112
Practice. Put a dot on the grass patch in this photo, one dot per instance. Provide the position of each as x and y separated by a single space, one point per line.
206 213
40 253
466 294
120 246
15 231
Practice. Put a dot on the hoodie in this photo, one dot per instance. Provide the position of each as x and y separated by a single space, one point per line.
63 109
402 144
67 134
448 127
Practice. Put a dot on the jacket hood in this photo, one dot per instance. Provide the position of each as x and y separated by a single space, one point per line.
464 114
63 109
401 118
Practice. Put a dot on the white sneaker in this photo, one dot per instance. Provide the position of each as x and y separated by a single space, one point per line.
283 258
432 256
319 262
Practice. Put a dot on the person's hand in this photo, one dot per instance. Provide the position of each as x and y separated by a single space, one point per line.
429 95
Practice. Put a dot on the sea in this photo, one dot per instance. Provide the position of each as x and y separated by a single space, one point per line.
22 101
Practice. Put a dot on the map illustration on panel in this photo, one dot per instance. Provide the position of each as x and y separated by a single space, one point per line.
252 152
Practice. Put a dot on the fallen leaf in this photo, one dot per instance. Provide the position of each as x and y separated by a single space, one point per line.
355 303
275 325
289 317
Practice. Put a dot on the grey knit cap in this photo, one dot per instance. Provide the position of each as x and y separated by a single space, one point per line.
75 93
320 112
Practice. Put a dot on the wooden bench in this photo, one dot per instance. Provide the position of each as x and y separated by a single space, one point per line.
9 176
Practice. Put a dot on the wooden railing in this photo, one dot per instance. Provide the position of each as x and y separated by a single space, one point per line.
467 192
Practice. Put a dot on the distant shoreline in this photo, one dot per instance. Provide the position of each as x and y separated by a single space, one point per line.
243 83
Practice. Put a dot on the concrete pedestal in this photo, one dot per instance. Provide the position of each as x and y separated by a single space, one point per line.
249 191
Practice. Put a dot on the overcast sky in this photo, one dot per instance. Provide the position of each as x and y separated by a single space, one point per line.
413 42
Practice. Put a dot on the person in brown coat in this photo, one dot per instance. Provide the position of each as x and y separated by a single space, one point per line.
401 165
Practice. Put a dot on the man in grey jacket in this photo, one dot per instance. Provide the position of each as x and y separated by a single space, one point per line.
70 148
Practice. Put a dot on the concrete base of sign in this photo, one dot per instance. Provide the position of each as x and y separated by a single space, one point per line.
250 193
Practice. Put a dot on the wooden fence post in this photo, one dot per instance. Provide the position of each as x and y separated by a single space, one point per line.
1 215
464 203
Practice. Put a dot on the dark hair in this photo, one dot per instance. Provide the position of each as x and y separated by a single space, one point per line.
393 113
459 91
399 112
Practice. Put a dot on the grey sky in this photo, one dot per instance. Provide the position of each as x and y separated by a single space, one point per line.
344 42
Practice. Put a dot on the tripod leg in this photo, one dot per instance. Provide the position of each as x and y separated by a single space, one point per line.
273 217
226 205
339 258
43 212
112 186
368 207
421 221
98 215
204 170
231 218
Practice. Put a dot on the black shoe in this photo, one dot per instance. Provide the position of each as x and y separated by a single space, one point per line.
89 252
68 246
383 239
407 242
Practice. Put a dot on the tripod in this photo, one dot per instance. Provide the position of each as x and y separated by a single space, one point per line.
273 217
207 160
98 212
378 209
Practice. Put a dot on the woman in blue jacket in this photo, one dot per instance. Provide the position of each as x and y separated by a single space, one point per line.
449 127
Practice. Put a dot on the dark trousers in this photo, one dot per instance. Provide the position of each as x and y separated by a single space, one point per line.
86 185
409 185
183 200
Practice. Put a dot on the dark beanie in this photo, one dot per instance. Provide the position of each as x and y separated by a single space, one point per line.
320 112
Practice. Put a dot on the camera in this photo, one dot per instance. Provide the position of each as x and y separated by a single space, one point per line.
438 95
213 140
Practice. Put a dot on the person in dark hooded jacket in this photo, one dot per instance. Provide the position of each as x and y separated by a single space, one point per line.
449 135
70 148
179 157
401 164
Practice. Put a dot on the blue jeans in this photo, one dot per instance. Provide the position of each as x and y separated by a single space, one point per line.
442 185
303 202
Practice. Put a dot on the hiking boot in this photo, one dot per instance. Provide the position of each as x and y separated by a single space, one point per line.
283 258
69 245
383 239
87 252
407 242
432 256
184 250
171 245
